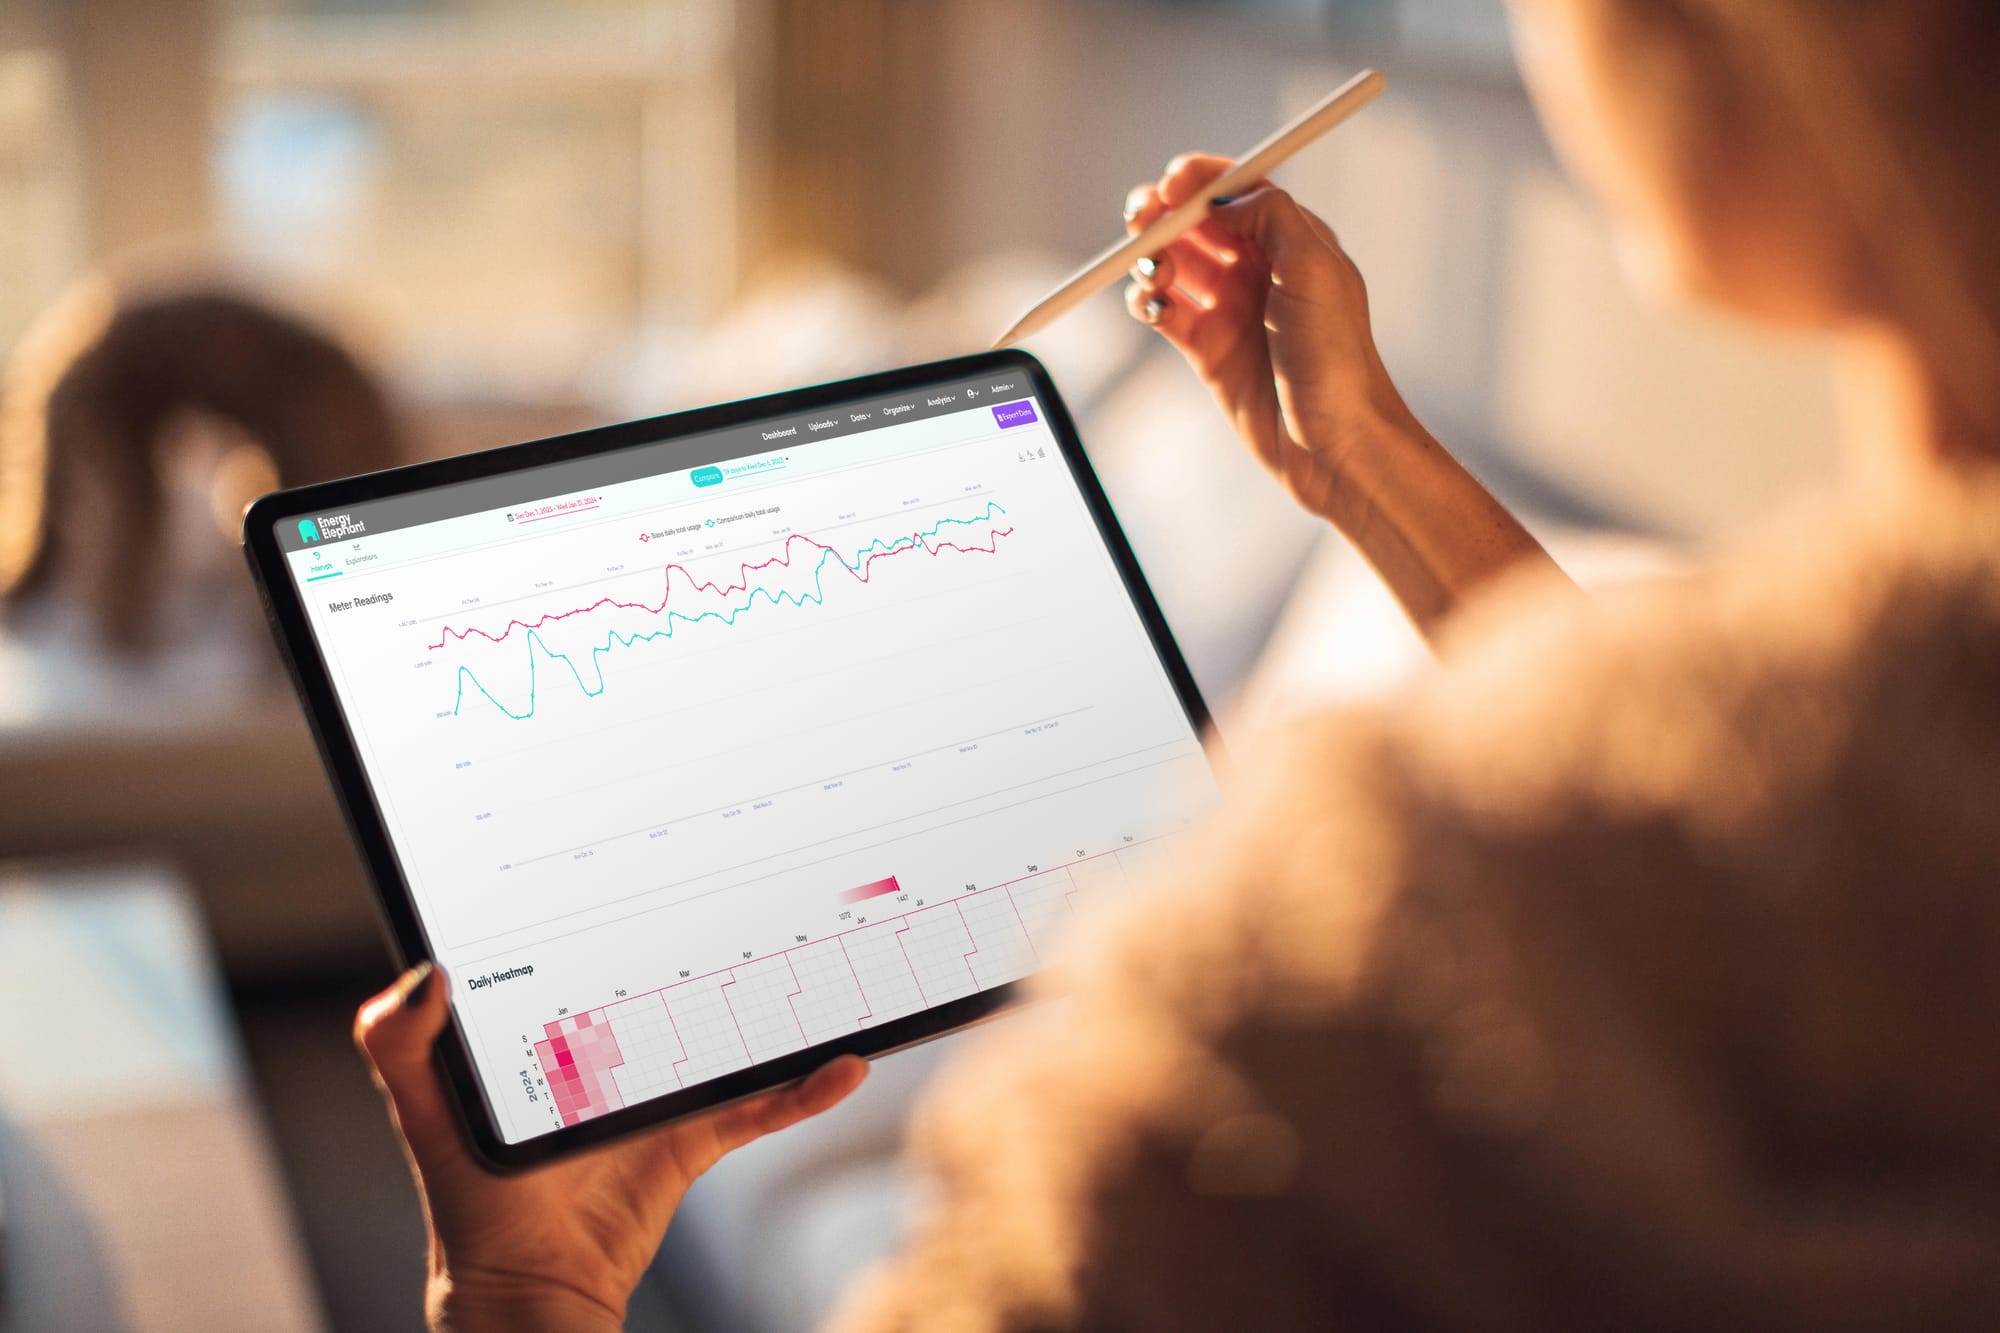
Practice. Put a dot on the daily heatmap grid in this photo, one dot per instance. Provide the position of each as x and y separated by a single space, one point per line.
605 1058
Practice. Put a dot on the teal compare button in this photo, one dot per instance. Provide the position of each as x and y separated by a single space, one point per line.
706 476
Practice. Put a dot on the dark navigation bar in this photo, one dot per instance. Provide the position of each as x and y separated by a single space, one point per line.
530 485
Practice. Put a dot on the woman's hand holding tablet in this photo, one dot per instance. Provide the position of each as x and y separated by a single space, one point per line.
562 1247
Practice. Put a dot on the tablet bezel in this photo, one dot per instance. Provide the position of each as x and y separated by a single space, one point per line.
286 612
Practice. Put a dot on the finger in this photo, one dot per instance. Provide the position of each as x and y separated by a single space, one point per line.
1155 274
1214 240
821 1090
1186 177
1273 222
1191 267
396 1032
1145 204
1198 283
1319 227
1155 308
1190 173
1195 272
1142 207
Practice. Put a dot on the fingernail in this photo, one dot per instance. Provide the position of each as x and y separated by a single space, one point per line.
1146 268
1135 199
417 982
1223 200
1153 310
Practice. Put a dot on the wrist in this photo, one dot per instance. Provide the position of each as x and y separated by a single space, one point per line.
1370 454
508 1303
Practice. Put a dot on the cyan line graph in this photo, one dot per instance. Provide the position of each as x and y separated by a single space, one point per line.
858 568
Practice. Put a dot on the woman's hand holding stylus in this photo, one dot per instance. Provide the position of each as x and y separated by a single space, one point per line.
1273 317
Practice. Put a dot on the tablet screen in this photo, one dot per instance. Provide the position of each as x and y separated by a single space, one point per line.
699 753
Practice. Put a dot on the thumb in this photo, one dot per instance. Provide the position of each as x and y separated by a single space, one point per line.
396 1032
1273 221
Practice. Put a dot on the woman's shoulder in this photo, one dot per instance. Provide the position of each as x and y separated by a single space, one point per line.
1847 647
1708 862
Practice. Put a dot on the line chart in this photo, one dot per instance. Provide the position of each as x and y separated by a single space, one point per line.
784 557
859 569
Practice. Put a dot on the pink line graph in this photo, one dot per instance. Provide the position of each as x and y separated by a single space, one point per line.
784 558
574 1078
732 1013
1032 950
967 955
857 982
904 945
676 1027
793 998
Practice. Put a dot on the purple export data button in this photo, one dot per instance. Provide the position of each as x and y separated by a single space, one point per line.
1015 414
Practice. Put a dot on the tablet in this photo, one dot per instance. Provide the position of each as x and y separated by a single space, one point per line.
701 749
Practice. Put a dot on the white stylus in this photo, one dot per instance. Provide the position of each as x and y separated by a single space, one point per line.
1253 166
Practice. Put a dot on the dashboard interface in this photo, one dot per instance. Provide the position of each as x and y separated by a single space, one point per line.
701 753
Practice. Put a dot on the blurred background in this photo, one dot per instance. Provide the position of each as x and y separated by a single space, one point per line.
252 241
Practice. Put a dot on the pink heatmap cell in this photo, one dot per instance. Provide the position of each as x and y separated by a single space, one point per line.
577 1060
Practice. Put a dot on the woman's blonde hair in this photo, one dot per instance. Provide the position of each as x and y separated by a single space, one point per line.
1914 156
